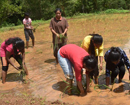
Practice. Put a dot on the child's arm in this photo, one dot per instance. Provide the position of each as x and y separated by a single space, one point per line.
8 54
23 61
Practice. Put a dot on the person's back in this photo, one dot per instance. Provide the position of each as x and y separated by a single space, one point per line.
5 48
74 53
74 56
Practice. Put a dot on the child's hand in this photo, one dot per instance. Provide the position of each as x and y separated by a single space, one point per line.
63 34
34 30
58 35
16 68
100 67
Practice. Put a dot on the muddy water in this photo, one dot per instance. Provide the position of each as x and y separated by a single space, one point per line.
47 80
13 80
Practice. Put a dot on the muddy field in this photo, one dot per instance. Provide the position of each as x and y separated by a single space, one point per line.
45 83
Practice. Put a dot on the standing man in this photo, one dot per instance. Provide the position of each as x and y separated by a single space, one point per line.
28 29
58 27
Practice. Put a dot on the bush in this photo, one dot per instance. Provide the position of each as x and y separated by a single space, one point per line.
5 24
19 22
115 11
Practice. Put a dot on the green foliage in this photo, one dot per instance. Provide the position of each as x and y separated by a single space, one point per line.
115 11
11 11
61 37
7 9
5 24
19 22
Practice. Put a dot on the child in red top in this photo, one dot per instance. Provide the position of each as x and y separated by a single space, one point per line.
71 54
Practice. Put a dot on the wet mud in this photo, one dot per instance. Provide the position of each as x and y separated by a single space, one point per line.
46 79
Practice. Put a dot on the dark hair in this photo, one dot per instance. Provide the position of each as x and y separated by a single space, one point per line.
114 54
57 9
97 39
17 42
26 14
90 62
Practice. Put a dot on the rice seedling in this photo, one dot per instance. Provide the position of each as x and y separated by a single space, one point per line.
74 88
61 37
34 30
27 52
43 101
22 73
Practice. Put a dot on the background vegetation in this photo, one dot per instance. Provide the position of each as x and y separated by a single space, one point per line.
12 11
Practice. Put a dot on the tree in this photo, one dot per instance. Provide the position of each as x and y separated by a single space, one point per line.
7 9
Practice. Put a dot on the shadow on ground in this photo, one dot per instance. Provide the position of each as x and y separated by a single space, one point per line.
49 60
61 86
11 77
117 87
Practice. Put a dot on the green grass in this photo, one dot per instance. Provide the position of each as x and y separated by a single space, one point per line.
80 15
34 24
27 52
114 11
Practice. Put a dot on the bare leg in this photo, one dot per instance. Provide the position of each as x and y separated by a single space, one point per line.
33 42
4 74
112 80
25 68
27 43
69 84
56 60
96 79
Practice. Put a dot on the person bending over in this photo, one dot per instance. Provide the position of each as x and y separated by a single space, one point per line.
93 44
116 59
12 47
74 56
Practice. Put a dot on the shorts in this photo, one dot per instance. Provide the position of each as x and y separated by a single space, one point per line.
66 66
18 58
28 33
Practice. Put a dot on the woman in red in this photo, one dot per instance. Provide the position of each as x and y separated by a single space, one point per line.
74 56
12 47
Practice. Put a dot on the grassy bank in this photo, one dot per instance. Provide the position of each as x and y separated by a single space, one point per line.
79 15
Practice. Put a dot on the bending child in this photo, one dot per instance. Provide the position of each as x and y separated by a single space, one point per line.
116 59
93 44
12 47
72 55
